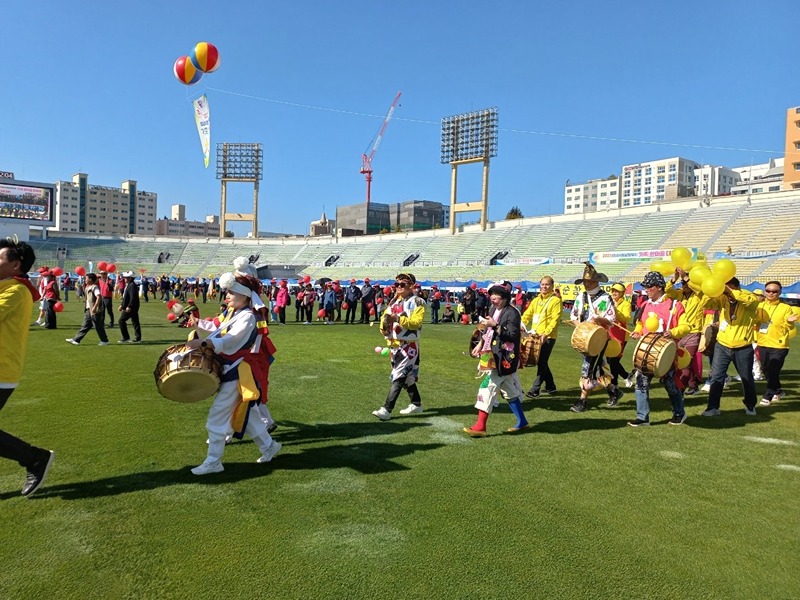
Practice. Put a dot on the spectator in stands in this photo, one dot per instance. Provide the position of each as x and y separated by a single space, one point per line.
17 296
130 310
542 318
367 300
776 327
738 314
106 287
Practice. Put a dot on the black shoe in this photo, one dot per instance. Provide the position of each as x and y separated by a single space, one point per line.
677 420
551 392
37 474
615 397
579 406
272 427
690 391
532 394
638 423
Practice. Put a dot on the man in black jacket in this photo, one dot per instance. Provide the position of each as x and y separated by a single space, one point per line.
130 310
351 297
367 301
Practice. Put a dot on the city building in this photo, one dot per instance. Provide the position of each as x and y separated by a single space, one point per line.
791 166
591 196
711 180
178 226
412 215
84 208
322 227
657 181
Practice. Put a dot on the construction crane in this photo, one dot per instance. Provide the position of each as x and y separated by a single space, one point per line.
366 158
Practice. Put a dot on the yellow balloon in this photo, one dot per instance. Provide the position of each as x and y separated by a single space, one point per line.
713 286
656 266
698 274
701 256
681 256
683 358
725 269
613 349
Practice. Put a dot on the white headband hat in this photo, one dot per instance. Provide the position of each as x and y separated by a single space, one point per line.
228 282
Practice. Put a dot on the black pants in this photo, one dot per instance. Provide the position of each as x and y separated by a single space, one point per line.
50 314
89 320
298 311
350 315
123 326
544 376
616 368
282 314
14 448
108 303
364 313
772 360
434 315
394 393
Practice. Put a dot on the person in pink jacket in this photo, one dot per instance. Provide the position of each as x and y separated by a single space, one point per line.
282 301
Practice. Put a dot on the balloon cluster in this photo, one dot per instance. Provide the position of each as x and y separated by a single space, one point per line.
204 58
711 279
104 266
382 351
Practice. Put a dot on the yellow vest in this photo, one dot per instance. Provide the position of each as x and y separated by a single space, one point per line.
16 304
774 331
736 329
548 308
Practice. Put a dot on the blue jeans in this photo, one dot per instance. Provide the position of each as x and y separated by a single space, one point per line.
742 359
643 395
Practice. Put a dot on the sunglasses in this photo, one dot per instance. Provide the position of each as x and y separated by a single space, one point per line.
773 291
400 284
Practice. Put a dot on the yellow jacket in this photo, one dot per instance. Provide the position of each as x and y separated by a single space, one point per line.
736 329
548 310
694 305
16 303
774 330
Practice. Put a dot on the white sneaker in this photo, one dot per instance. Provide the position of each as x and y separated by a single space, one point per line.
766 401
630 381
273 449
208 467
711 412
750 412
228 439
706 388
73 342
103 344
38 323
382 414
778 396
411 409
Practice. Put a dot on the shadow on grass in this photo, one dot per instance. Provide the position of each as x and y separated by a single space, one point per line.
367 458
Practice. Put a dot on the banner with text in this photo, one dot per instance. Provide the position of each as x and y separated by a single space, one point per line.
203 120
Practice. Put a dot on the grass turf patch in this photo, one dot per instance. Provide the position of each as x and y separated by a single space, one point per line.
579 506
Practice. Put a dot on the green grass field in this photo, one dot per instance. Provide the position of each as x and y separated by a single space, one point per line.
581 506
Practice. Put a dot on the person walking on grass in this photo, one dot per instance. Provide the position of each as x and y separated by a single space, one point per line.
401 325
17 296
500 346
129 310
94 313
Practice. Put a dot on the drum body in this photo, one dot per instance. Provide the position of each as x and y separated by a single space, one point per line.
529 350
654 354
589 338
193 378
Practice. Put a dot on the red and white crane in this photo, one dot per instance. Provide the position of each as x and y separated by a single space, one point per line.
366 158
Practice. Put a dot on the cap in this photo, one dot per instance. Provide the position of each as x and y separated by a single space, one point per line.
654 278
619 287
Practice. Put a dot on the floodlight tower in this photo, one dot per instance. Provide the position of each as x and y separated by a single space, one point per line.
366 159
239 163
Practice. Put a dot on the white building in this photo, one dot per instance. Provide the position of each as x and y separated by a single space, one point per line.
84 208
712 180
657 181
759 178
591 196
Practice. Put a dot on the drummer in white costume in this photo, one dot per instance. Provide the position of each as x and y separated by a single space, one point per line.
671 324
242 344
595 305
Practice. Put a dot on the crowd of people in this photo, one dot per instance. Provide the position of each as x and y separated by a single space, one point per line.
749 330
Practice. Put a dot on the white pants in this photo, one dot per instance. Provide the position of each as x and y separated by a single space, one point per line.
219 416
506 385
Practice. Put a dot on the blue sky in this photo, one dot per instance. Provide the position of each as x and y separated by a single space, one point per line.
89 87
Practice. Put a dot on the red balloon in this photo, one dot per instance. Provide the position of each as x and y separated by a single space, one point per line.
372 312
58 271
387 291
171 303
307 278
378 300
102 265
58 307
473 286
111 267
438 295
369 304
321 313
345 305
171 316
80 271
